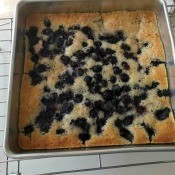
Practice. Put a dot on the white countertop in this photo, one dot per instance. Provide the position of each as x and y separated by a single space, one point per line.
125 163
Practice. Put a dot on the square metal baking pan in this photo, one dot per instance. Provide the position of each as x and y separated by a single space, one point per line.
27 7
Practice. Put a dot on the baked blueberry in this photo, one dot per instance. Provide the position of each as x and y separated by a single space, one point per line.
84 136
93 113
59 41
31 50
141 109
43 121
67 108
88 103
47 22
145 44
59 85
100 122
28 129
59 117
139 51
47 31
149 130
35 58
69 42
107 95
125 65
35 77
126 88
128 120
105 61
67 78
113 79
110 51
88 79
164 93
118 123
125 47
78 98
126 99
117 90
124 77
33 40
97 68
32 32
88 32
65 60
112 59
117 70
126 134
120 109
41 68
115 102
79 54
157 62
106 105
81 123
84 44
94 88
60 131
98 77
98 43
162 114
78 72
46 89
104 83
45 52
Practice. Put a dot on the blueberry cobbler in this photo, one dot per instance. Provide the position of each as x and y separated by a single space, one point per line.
94 79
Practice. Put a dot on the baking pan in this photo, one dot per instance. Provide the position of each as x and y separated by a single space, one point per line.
27 7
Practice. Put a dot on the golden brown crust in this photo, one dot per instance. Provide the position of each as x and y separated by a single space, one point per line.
139 27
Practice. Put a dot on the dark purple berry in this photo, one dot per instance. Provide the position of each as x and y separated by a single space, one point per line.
124 77
126 134
98 77
35 77
88 32
69 42
81 123
46 89
78 98
28 129
117 90
125 47
128 120
67 108
32 32
78 72
93 113
35 58
110 51
41 68
120 109
107 95
97 68
104 83
117 70
84 136
113 79
47 31
162 114
98 43
141 109
65 60
60 131
125 65
88 80
47 22
84 44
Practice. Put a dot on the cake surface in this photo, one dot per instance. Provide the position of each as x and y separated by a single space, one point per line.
94 79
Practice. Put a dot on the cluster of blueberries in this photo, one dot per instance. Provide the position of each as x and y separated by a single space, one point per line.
115 100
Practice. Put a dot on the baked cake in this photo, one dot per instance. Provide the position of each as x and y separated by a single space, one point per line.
94 79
